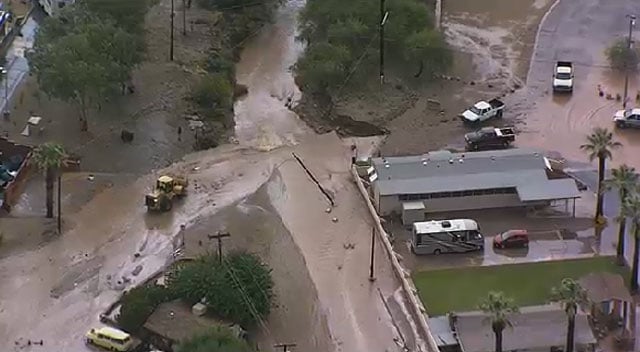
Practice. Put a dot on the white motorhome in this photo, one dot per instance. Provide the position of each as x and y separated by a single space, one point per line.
446 236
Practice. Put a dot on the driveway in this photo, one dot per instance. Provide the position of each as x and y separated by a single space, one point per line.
577 31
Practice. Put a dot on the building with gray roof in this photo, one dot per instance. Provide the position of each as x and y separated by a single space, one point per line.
445 181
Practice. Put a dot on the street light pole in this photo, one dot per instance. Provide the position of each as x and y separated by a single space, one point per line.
173 14
184 17
383 19
59 202
632 22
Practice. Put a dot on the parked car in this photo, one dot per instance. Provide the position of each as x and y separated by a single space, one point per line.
111 339
563 77
490 137
627 118
482 111
511 239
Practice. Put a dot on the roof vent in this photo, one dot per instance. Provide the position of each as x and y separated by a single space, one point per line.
493 158
424 162
450 161
461 160
462 155
445 224
384 160
386 165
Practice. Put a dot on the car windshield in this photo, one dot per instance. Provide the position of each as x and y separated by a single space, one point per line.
563 75
475 110
505 235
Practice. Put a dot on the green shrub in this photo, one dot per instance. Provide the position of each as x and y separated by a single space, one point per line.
138 304
213 92
241 289
220 339
221 63
621 57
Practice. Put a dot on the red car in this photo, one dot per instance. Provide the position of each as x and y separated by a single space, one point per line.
511 239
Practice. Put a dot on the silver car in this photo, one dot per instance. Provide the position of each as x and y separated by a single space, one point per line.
627 118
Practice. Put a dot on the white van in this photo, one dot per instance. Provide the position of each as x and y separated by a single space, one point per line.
446 236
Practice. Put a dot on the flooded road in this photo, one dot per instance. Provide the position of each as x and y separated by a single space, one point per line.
577 31
262 118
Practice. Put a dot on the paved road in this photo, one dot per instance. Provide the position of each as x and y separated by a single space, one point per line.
578 31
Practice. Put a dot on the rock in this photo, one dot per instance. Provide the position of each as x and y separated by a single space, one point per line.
137 270
472 83
490 85
240 90
136 255
334 219
126 136
328 210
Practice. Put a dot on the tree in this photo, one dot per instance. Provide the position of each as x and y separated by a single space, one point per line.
571 295
138 304
219 339
342 38
599 145
49 157
498 307
126 14
624 179
621 57
240 289
631 209
84 60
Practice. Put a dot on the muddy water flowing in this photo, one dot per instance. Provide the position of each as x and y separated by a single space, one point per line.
262 117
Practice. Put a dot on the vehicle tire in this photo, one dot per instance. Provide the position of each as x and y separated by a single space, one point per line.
525 245
437 252
506 144
89 342
499 114
621 125
474 147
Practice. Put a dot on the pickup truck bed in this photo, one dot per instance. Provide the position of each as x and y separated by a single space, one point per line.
496 103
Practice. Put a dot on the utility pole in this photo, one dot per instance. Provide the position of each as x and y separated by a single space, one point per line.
59 202
173 14
284 346
184 17
219 236
383 19
632 22
373 249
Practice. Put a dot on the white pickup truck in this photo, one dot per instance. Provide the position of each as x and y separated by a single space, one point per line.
482 111
563 77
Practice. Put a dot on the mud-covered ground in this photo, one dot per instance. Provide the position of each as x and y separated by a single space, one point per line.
492 43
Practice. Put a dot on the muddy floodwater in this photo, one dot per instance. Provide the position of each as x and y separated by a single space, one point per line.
262 117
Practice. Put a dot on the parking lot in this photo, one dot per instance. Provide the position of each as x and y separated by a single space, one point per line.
551 237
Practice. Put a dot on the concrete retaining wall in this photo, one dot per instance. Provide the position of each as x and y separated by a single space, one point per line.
438 14
416 307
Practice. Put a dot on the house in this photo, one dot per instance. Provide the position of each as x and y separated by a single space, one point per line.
445 181
51 7
14 170
534 329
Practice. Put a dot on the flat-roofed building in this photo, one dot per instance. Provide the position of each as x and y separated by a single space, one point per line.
445 181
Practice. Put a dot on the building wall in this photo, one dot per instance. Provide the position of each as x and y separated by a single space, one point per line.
391 204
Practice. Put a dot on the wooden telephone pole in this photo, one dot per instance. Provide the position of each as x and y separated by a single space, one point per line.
173 14
284 346
219 236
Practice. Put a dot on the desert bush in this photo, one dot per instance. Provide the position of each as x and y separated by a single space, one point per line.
139 303
219 339
621 57
213 92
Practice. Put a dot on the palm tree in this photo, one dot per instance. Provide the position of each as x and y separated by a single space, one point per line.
624 180
498 307
571 295
49 157
599 145
631 209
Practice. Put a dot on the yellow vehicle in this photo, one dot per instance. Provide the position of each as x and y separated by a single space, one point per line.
110 339
167 188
